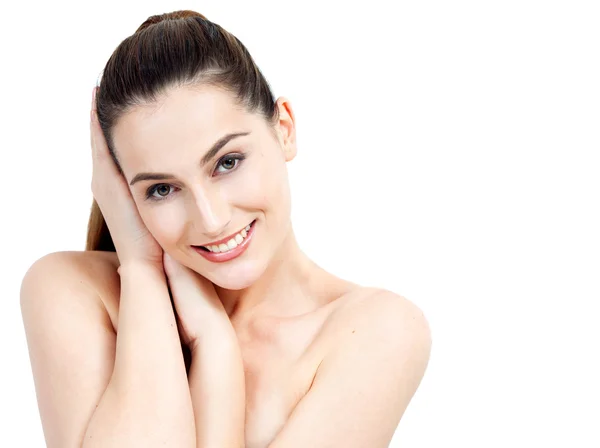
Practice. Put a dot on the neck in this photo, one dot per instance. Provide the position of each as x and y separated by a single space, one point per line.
284 289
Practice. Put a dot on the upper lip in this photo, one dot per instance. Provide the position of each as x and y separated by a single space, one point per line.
227 238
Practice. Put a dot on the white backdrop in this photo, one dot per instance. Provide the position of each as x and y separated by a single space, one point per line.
448 151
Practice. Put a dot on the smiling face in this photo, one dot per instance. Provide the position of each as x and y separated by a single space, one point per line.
189 195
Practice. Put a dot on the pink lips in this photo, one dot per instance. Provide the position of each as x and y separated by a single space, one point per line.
224 240
233 253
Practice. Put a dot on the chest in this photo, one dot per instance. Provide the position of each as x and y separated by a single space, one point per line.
279 370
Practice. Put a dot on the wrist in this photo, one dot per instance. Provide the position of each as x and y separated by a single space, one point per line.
139 265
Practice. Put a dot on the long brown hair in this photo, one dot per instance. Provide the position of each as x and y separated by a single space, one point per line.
179 48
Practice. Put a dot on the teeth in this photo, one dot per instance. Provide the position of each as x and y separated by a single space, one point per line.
232 243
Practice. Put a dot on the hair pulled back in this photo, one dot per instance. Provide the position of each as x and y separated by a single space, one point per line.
180 48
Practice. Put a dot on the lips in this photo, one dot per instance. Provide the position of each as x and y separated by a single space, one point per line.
239 250
227 238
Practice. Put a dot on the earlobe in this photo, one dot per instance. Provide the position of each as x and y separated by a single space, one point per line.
286 130
290 152
287 140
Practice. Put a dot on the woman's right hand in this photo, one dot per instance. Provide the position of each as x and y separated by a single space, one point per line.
132 239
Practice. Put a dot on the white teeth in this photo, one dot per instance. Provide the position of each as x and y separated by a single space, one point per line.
232 243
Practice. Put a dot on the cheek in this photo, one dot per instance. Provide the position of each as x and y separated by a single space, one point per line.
166 223
265 185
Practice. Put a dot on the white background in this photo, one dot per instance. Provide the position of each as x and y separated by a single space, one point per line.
448 151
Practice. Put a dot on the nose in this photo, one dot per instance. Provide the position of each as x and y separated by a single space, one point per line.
210 215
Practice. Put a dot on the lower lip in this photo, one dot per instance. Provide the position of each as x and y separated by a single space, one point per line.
226 256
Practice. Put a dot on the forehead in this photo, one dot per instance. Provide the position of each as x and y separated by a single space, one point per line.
183 119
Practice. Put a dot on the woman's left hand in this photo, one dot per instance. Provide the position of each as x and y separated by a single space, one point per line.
196 302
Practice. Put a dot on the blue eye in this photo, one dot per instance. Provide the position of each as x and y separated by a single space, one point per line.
229 162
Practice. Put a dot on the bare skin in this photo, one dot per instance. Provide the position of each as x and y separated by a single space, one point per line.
312 345
280 355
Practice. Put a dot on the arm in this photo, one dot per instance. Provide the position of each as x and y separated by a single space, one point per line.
216 377
217 387
147 401
364 385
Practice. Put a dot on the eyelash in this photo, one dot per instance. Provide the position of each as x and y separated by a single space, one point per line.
237 157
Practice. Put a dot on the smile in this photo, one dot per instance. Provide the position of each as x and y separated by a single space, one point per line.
229 247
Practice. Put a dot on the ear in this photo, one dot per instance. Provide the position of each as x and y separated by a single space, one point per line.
286 128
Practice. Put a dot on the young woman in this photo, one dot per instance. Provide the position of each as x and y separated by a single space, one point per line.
197 321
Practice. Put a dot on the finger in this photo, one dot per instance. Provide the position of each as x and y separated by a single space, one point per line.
93 110
93 120
94 137
92 144
97 140
94 91
184 282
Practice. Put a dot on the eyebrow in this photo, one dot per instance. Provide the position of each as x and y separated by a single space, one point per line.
215 148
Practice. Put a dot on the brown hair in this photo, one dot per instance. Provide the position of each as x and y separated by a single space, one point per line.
180 48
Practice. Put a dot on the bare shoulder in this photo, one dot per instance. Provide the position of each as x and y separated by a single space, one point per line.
84 264
379 336
382 316
362 304
70 336
376 355
94 272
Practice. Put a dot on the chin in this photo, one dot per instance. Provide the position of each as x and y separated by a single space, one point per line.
233 284
238 277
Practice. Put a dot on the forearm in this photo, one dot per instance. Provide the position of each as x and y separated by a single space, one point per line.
147 401
217 386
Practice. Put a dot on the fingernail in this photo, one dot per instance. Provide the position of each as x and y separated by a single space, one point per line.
94 93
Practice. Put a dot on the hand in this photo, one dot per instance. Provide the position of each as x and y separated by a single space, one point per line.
198 307
132 240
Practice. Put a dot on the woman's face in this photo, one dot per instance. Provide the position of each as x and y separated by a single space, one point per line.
191 203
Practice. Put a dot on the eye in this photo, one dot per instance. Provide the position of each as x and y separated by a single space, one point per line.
156 188
231 161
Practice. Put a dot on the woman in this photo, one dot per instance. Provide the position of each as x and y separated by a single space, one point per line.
189 155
